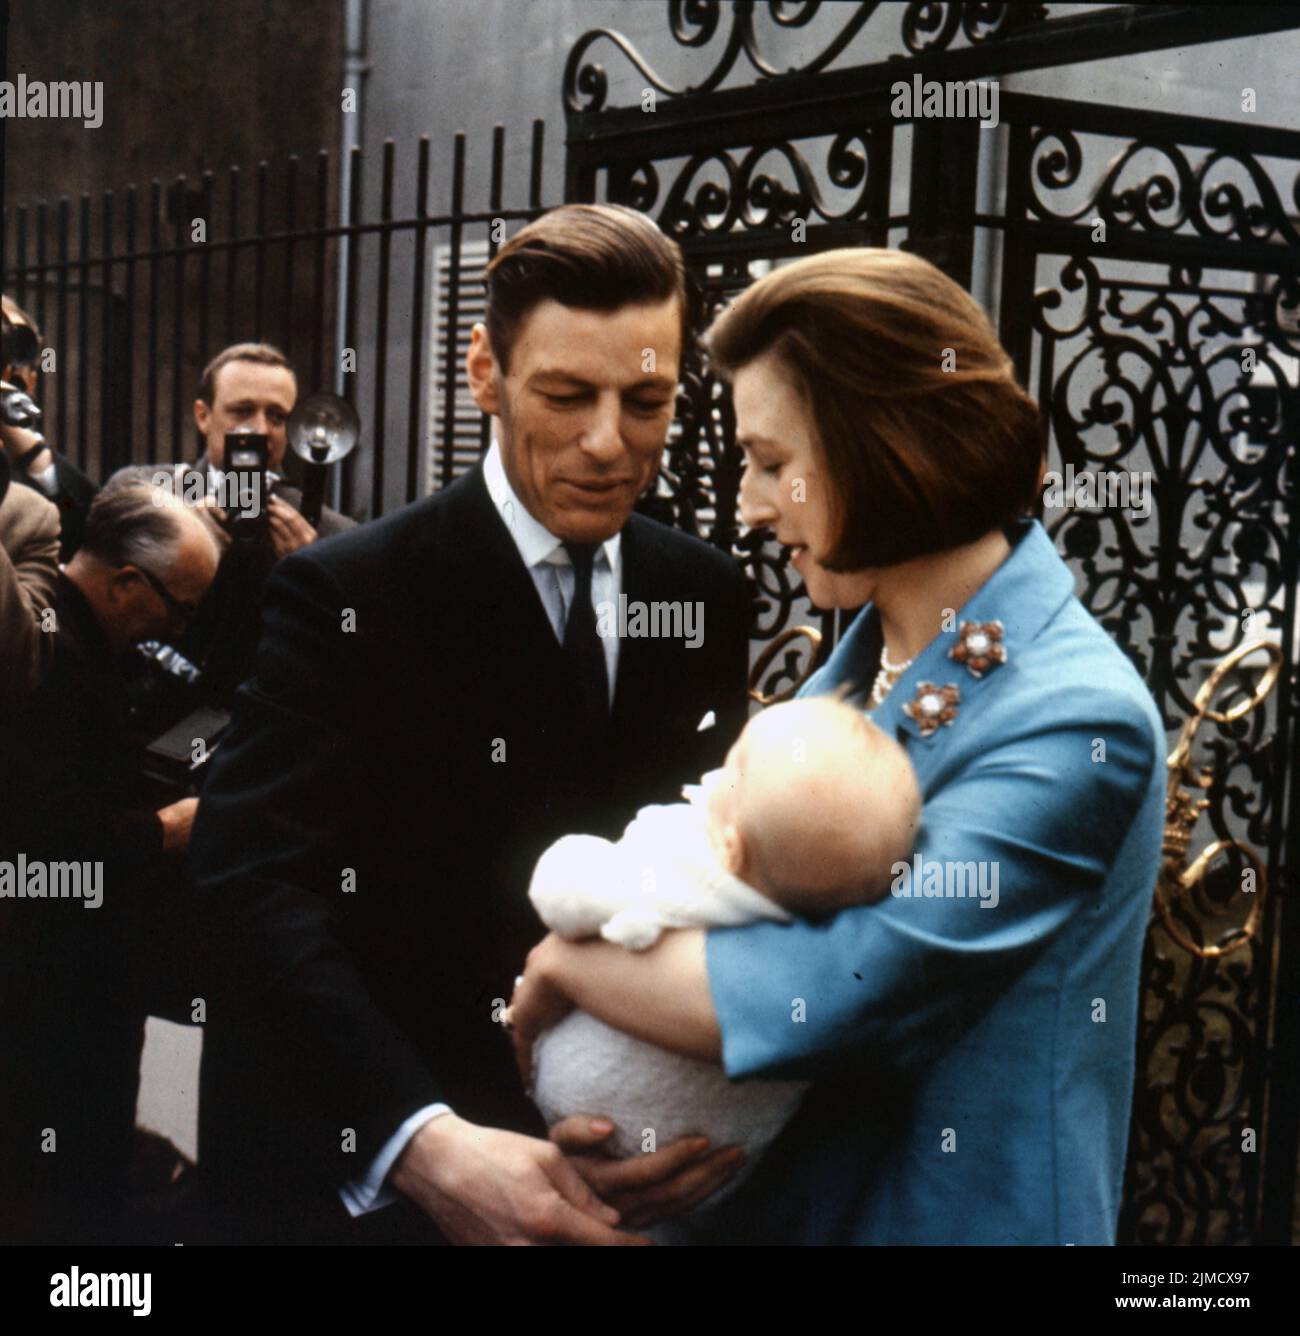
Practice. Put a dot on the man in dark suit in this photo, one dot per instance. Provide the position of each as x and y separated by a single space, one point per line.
33 462
77 980
433 705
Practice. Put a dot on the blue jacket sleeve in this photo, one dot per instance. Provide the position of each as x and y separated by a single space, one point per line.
896 982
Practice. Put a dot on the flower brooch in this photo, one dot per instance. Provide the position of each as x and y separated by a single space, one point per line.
934 705
979 646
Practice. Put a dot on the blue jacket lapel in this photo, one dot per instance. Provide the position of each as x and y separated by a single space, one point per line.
1023 594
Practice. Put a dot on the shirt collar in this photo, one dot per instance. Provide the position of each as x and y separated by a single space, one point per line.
536 543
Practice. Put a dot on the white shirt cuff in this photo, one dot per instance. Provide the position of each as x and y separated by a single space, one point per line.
367 1194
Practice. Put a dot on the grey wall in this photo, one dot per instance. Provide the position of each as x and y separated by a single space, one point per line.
187 85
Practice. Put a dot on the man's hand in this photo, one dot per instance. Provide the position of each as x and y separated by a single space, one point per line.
481 1185
17 441
177 823
289 531
651 1187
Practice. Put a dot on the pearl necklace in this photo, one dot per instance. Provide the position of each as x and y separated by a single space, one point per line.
889 674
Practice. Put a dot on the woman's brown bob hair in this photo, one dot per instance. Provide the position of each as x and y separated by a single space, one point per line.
920 458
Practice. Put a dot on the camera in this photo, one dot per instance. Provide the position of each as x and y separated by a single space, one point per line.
18 408
247 485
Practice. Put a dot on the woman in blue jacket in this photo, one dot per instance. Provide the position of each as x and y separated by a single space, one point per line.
971 1038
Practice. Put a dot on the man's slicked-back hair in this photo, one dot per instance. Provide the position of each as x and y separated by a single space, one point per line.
594 257
928 441
133 523
264 354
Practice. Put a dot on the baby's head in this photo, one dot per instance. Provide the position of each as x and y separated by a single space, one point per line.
814 806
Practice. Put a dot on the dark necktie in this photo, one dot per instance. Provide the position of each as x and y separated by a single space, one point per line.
582 646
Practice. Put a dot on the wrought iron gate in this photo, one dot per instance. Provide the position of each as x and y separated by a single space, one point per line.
1150 289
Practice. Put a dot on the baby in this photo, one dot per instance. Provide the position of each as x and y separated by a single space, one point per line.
807 816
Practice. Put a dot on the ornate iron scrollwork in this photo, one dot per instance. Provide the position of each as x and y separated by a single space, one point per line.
1182 811
925 27
1155 187
764 663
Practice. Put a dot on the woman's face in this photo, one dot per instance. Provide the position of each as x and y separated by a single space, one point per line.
785 484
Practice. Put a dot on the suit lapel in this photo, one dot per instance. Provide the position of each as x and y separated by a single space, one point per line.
490 600
636 682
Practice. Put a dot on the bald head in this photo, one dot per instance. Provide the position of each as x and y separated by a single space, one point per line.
821 804
146 561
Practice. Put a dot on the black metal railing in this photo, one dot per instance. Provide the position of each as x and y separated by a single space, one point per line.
136 290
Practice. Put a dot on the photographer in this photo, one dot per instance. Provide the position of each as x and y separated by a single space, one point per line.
248 389
31 459
29 568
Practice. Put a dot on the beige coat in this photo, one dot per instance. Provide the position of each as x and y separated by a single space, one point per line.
29 567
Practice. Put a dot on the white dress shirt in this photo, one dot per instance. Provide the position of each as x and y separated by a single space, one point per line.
548 563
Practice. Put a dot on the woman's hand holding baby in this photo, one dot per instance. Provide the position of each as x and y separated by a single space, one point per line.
648 1188
536 1004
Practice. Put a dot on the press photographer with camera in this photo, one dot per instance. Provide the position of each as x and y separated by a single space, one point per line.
33 462
251 388
246 395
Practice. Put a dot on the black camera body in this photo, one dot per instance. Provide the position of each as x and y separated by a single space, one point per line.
247 486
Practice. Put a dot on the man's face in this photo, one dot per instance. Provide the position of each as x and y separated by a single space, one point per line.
582 419
248 396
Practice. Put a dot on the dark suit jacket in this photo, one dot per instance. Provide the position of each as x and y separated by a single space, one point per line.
223 638
76 983
365 840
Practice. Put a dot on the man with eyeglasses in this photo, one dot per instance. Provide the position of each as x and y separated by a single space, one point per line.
77 982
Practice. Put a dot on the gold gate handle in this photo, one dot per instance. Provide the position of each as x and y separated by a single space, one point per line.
773 648
1182 810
